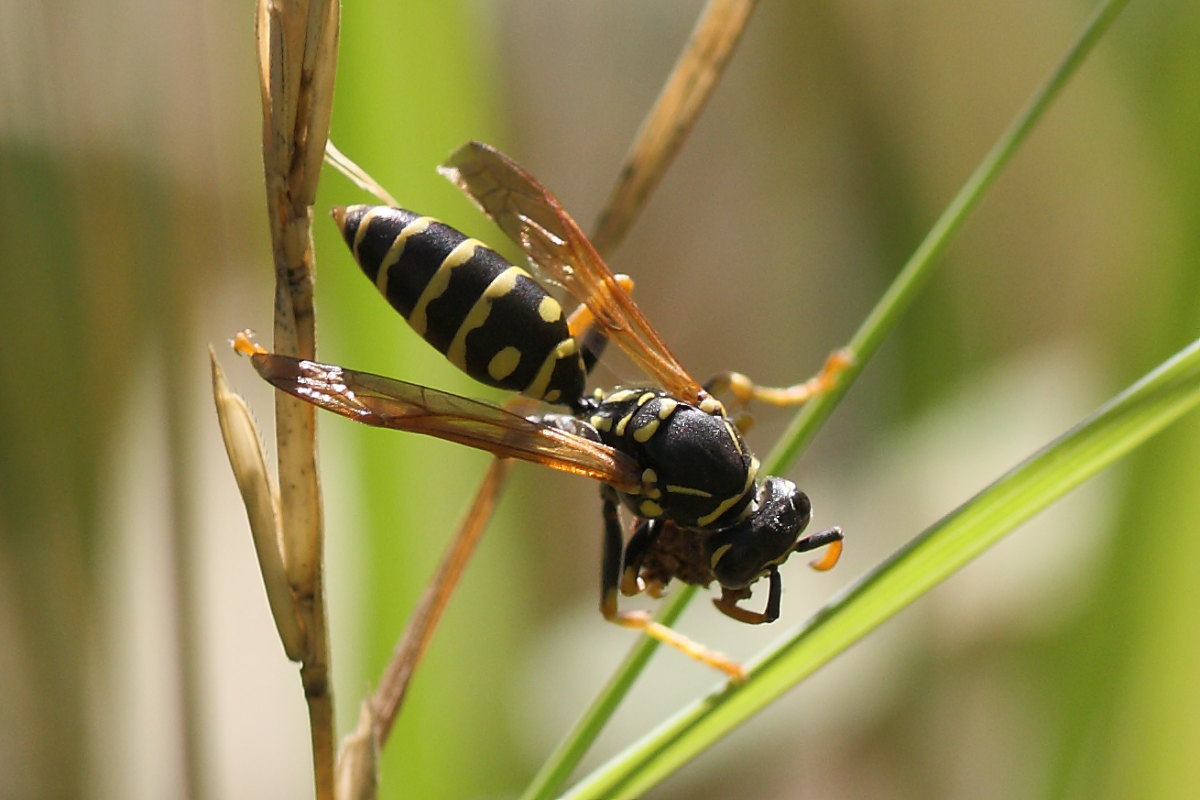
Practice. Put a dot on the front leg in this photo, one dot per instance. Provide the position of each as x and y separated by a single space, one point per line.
610 578
610 560
727 603
645 534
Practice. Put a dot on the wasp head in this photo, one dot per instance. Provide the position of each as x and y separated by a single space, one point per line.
740 553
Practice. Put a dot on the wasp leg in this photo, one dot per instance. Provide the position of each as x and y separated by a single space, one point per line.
643 538
243 342
610 562
727 603
610 578
744 390
831 538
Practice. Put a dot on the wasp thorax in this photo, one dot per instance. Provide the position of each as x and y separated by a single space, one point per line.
703 474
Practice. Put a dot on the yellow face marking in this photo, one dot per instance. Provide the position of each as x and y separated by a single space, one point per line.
673 489
438 283
666 407
392 256
718 554
549 309
649 508
501 285
643 433
567 348
503 363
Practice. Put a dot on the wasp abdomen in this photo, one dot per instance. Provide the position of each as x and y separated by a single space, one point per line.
489 318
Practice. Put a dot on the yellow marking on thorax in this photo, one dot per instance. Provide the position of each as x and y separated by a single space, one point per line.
620 396
711 405
644 432
674 489
649 485
730 502
733 437
501 285
621 423
666 407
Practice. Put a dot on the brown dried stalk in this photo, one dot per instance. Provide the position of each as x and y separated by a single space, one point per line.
683 97
297 54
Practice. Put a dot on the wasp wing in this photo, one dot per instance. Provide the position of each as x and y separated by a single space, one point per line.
533 218
388 403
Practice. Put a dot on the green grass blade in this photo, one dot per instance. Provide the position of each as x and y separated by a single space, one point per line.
1129 419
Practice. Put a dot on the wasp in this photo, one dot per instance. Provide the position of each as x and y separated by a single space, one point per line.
668 452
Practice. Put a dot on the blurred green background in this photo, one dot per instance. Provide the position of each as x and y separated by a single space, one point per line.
134 636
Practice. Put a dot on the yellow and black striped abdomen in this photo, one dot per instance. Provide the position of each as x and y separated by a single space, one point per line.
489 318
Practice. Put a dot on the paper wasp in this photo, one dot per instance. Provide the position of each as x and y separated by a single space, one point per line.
669 453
